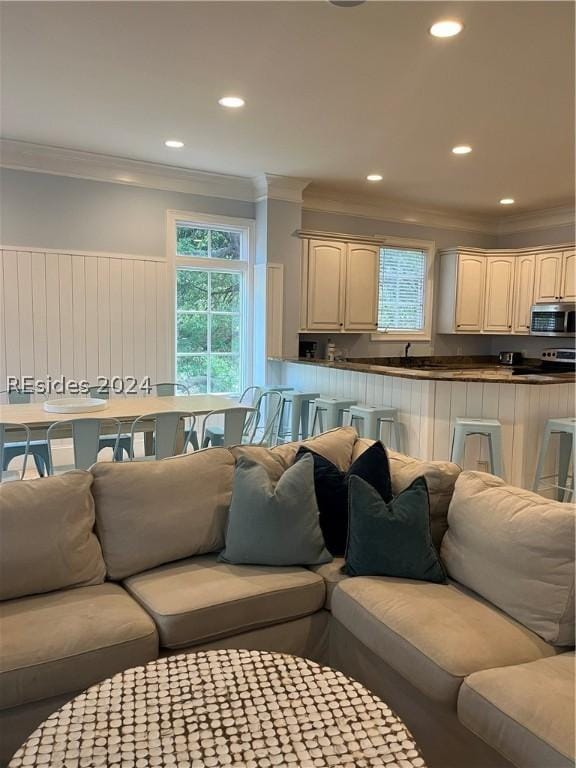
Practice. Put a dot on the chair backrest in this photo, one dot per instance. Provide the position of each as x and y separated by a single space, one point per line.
234 423
268 408
16 397
99 391
166 428
5 440
168 388
85 435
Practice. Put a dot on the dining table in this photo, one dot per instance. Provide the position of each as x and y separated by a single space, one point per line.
125 409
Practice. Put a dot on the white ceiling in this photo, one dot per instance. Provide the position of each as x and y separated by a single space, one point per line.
332 93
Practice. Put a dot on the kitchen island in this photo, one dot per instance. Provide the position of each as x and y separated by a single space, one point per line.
430 393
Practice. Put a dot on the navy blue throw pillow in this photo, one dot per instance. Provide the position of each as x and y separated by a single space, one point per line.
391 538
331 486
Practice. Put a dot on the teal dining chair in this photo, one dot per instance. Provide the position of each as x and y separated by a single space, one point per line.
38 449
166 429
86 434
4 446
120 446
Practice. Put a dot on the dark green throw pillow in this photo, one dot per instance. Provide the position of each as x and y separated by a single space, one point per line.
391 539
274 525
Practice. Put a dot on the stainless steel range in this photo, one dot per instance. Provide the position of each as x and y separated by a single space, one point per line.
562 360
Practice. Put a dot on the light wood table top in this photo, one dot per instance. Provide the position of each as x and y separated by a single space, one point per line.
125 409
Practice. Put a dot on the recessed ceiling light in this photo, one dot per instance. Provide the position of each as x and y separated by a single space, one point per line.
347 3
374 177
174 143
232 102
507 201
461 149
446 28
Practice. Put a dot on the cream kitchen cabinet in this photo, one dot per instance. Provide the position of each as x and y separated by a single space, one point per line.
339 286
568 284
499 294
548 282
361 295
470 293
324 278
523 292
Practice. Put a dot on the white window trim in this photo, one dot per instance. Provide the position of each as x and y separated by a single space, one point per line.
429 246
248 231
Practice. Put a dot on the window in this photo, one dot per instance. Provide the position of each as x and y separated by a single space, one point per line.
404 295
212 290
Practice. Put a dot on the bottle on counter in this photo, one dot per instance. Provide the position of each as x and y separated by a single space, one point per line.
331 351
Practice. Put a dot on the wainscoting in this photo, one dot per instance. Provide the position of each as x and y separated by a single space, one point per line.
83 315
427 410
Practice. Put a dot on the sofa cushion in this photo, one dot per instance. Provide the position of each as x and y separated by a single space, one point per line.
66 641
201 599
47 540
331 486
434 635
525 712
391 539
440 478
274 523
335 445
332 575
150 513
516 549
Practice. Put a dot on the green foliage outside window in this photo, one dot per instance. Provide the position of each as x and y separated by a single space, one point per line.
208 320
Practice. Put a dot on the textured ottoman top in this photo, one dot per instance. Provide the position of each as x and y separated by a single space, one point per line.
246 709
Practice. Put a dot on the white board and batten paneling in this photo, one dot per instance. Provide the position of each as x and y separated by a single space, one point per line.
83 315
427 411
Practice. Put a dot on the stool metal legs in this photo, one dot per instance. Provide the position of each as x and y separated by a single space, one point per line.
564 428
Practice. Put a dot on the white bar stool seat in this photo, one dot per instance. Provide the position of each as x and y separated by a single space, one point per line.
565 428
489 428
276 387
368 420
299 405
333 409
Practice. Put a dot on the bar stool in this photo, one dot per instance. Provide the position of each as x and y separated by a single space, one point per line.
489 428
299 405
565 428
370 418
333 409
275 388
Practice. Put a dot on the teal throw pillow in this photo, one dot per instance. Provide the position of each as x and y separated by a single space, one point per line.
274 525
391 538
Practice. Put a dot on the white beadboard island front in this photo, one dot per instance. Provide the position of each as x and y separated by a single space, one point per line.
427 409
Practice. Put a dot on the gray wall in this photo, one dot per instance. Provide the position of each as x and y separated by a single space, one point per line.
534 237
58 212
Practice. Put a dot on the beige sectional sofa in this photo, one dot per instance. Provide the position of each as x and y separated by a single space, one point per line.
108 569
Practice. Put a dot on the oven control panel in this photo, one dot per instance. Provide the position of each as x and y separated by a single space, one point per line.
565 355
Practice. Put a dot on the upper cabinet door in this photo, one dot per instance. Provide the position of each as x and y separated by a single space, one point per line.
326 284
523 293
568 286
548 277
470 293
499 294
362 268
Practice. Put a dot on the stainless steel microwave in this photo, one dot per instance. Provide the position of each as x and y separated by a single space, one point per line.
553 319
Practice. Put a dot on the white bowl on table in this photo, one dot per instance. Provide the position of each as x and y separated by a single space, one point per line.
75 405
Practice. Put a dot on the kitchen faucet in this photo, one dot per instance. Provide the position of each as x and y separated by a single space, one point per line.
406 348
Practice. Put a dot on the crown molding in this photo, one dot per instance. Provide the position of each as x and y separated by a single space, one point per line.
271 186
38 158
392 210
545 219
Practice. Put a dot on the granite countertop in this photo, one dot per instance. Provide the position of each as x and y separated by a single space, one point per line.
468 369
